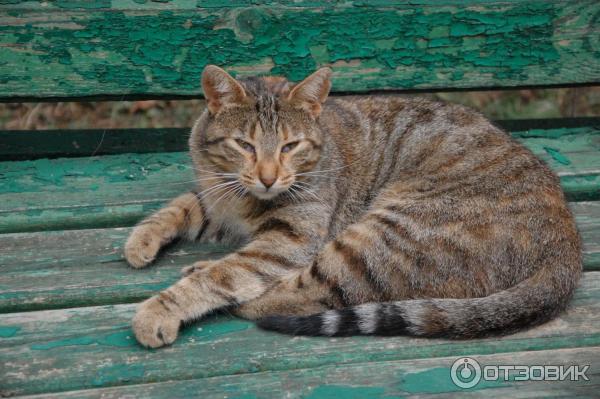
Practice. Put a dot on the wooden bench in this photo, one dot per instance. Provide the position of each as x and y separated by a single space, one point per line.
66 294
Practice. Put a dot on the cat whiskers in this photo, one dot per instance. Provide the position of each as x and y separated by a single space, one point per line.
237 190
203 170
304 188
210 176
216 189
204 179
294 195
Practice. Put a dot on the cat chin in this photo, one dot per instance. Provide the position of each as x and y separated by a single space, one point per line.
266 196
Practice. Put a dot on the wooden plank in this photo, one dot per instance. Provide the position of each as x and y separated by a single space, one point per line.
104 191
19 145
111 49
587 215
38 271
118 190
69 349
421 378
36 144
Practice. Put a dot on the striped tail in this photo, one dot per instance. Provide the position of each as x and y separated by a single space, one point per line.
528 303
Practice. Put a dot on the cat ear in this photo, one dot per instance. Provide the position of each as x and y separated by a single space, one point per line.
312 91
220 89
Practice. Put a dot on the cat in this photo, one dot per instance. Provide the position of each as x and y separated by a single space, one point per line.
374 215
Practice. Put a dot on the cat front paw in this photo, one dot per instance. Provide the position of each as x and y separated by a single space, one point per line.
142 246
154 325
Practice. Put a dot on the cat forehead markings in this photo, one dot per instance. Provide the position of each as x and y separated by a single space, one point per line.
266 92
266 107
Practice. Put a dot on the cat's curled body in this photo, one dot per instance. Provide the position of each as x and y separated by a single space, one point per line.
377 215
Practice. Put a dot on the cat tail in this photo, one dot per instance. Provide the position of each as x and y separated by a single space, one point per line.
533 301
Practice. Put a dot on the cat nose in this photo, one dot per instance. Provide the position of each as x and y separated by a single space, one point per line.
267 172
268 181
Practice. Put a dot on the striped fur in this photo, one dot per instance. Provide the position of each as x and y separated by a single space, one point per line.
371 215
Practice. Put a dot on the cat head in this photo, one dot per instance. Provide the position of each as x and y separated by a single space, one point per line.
262 132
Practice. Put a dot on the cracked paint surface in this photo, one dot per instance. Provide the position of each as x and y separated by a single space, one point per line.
149 47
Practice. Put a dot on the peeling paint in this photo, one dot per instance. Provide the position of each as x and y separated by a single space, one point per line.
557 155
346 392
436 380
213 331
408 46
118 339
251 361
8 331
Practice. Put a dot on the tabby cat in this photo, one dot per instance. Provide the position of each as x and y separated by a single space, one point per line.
372 215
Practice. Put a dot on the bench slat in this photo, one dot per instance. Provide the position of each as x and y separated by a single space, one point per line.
17 145
68 349
40 272
20 145
406 379
113 49
118 190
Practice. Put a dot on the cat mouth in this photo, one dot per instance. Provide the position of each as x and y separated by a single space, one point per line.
268 194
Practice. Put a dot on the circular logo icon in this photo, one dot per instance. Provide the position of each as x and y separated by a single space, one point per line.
465 372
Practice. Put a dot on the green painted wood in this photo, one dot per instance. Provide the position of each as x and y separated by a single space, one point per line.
147 48
84 267
560 147
587 215
101 191
421 378
58 269
69 349
35 144
118 190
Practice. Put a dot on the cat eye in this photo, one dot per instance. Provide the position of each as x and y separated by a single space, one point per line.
245 145
289 146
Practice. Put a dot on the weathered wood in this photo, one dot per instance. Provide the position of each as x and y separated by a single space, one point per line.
84 267
118 190
68 349
421 378
47 270
587 215
20 145
142 48
89 192
38 271
113 49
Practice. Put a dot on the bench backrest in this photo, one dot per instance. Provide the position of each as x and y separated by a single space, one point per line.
138 48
